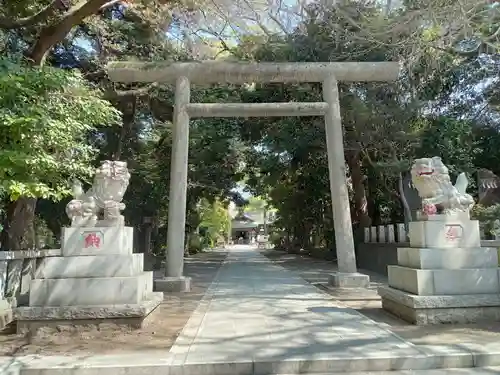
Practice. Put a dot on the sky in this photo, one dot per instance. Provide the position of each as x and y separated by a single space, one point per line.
241 191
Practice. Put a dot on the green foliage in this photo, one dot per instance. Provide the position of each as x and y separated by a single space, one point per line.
215 159
46 116
487 216
215 218
451 139
255 204
488 142
276 239
429 111
195 244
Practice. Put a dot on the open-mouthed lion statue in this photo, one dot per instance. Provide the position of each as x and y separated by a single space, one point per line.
432 180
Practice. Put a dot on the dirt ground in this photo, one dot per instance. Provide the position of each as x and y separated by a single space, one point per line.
367 302
160 332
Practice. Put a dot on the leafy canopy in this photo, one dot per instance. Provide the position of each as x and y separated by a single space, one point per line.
46 117
215 217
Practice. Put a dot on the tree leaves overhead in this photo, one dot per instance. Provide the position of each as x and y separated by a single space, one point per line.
432 110
446 100
45 118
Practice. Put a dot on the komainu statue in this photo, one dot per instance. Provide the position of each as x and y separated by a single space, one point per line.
110 183
432 180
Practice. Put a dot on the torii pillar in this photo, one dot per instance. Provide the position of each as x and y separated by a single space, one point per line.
208 72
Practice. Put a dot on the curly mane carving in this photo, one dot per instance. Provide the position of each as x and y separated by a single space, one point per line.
432 180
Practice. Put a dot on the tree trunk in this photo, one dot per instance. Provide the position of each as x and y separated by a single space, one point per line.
19 234
360 201
128 118
404 202
58 30
19 230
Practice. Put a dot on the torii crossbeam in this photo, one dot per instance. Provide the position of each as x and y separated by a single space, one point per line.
187 73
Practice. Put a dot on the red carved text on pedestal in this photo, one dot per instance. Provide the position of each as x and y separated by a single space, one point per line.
453 232
92 240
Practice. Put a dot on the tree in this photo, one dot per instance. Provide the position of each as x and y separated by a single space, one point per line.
386 125
34 28
45 117
256 204
214 217
46 23
143 137
83 35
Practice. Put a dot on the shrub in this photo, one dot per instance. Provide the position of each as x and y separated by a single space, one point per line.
487 216
195 245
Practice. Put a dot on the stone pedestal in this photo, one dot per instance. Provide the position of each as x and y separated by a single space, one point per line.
349 280
173 284
97 279
5 313
445 276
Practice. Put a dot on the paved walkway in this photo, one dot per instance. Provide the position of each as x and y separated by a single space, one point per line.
258 312
258 318
368 302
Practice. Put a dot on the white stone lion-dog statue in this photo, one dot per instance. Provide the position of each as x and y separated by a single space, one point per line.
432 180
110 183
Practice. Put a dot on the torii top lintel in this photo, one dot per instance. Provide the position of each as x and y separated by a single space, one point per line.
239 73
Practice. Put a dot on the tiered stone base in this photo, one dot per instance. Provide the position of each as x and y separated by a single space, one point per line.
97 280
445 276
6 315
135 316
428 310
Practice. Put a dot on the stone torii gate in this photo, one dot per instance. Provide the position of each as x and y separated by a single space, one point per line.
207 72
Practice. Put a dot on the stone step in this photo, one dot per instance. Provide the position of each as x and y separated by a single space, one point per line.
155 370
457 309
90 291
30 319
90 266
444 282
448 371
456 258
161 363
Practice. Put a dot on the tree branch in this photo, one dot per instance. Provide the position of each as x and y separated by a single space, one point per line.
110 4
9 24
56 32
139 93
